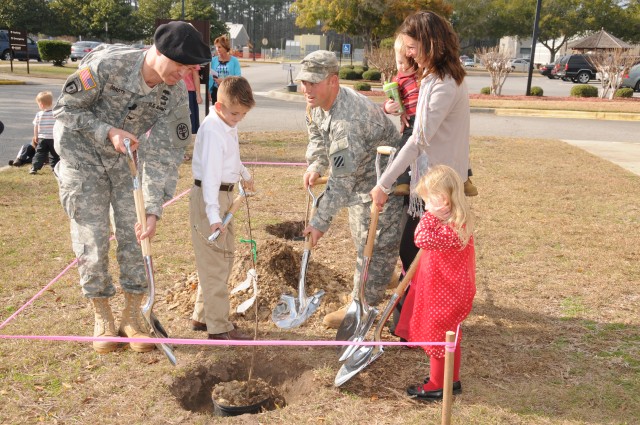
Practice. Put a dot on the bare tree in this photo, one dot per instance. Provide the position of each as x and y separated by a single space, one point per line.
497 65
612 65
383 58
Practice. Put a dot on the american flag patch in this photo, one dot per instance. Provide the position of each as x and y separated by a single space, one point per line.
87 79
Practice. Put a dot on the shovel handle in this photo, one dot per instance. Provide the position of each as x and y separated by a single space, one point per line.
321 180
142 219
406 280
385 150
373 226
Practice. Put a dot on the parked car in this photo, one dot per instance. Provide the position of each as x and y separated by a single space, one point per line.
468 63
81 48
6 52
520 64
577 68
632 79
548 70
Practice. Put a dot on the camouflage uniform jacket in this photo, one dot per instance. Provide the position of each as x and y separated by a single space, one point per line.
343 142
106 92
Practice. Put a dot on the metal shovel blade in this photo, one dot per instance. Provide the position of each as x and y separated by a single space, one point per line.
289 313
360 359
360 334
159 332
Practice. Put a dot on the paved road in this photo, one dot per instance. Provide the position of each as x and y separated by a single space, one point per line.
18 107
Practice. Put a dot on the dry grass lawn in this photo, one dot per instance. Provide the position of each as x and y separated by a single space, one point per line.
554 337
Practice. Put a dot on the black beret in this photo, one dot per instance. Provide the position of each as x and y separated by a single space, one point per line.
182 43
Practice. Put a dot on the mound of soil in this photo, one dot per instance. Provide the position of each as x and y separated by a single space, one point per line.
278 269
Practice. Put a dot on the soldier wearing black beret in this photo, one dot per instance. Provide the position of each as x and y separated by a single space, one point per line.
119 93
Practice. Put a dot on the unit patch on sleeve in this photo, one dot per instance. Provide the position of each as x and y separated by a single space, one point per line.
71 87
87 79
182 131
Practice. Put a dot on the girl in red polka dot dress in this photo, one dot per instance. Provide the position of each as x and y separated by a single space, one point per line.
444 285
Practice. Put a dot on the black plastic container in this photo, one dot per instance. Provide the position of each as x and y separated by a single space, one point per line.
222 410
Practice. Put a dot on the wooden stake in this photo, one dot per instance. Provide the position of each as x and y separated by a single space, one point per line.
447 390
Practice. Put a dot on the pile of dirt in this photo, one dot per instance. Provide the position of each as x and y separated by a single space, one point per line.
278 269
243 393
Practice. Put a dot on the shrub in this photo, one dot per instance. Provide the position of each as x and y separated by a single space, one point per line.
358 70
485 90
372 75
348 74
362 86
536 91
54 50
584 90
624 92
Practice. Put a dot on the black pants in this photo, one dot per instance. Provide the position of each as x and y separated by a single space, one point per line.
44 148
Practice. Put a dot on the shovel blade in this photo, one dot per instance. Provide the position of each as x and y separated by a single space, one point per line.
357 362
159 332
365 323
350 322
290 314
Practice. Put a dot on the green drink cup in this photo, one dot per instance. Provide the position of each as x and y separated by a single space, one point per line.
392 92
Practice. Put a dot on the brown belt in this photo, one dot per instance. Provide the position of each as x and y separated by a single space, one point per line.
223 187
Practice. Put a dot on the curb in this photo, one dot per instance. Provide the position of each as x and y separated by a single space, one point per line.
556 113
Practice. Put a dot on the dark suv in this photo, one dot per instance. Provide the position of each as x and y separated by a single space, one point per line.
6 53
577 68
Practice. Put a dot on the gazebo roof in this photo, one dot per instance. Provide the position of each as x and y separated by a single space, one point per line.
600 40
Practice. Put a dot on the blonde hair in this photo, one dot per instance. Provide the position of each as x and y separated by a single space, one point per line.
237 91
442 180
400 49
45 97
223 41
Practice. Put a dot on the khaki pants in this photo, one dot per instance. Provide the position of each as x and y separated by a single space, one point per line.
213 264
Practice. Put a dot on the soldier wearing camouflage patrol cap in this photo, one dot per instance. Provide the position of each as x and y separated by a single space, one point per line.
345 128
119 93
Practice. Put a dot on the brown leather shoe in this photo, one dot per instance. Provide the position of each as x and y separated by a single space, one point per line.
232 334
198 326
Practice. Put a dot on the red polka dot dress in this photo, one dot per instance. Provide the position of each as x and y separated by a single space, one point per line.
444 284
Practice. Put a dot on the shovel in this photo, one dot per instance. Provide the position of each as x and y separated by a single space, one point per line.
360 316
156 329
235 206
291 312
363 356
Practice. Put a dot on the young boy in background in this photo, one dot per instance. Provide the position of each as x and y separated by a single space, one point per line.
43 133
216 169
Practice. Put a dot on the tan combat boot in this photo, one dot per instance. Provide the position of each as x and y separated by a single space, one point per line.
470 189
104 325
131 323
334 319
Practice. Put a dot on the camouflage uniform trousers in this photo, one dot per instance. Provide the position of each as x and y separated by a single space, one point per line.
385 249
86 194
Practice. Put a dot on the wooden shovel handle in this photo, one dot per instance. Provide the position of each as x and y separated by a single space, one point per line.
373 226
235 205
409 274
385 150
142 219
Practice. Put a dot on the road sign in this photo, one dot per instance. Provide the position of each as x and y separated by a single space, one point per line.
346 49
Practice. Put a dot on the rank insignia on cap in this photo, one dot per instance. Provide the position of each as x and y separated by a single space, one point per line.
71 87
87 79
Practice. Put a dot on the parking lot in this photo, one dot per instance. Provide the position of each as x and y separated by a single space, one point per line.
516 83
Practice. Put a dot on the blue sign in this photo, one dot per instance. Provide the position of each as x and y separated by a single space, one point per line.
346 49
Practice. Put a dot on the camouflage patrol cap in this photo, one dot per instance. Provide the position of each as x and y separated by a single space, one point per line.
181 42
317 66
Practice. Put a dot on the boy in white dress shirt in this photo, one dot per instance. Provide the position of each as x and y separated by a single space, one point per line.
217 169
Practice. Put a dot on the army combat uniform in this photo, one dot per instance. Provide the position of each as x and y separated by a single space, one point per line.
343 142
108 91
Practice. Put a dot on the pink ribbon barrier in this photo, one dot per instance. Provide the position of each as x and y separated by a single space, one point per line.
181 341
285 164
